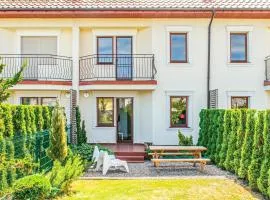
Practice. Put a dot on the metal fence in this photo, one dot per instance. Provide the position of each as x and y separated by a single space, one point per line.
118 67
39 66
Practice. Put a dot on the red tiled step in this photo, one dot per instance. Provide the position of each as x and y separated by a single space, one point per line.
131 159
130 153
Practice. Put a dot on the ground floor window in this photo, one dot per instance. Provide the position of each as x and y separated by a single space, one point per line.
105 111
46 101
239 102
178 111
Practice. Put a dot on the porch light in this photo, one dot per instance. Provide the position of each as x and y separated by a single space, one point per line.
86 94
67 94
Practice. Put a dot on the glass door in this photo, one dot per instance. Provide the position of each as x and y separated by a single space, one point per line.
124 119
123 58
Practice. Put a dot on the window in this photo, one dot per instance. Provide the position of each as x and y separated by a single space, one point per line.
239 102
105 111
238 47
48 101
105 50
29 101
178 47
178 111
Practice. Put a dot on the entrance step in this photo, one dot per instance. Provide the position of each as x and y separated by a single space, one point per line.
131 159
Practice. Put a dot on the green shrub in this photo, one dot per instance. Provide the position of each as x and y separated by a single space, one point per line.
62 176
225 139
3 177
39 118
235 124
257 152
32 119
34 187
8 122
85 151
263 182
239 142
204 123
220 129
46 117
58 138
247 144
213 132
184 140
81 132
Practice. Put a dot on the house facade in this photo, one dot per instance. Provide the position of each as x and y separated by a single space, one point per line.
142 70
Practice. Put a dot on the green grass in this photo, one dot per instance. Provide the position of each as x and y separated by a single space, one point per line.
158 190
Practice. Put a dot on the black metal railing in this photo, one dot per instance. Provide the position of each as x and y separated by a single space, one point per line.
118 67
38 66
267 68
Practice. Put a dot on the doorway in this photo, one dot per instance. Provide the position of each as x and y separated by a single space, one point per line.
124 120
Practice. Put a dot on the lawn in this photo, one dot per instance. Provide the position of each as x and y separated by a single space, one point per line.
158 189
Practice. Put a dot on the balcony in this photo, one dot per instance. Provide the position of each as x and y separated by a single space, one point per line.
267 71
39 67
121 67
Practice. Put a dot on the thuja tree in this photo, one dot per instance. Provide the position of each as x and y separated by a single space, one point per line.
263 178
204 122
257 151
3 171
225 140
81 133
239 142
46 117
32 121
220 129
39 118
7 83
20 132
247 144
212 133
235 122
58 138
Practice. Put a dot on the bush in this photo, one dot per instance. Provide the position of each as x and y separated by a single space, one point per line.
213 132
263 182
247 144
85 151
257 152
81 133
46 117
239 140
34 187
219 139
204 123
184 140
225 139
39 118
235 121
62 175
32 119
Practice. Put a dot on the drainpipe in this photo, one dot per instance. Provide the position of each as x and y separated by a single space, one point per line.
209 58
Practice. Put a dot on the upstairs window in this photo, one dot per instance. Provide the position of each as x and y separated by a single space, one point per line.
239 102
238 48
105 50
29 100
178 47
178 111
105 111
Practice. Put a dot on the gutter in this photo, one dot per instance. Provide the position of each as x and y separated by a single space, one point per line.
209 58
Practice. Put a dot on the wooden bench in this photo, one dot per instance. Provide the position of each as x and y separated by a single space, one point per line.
202 161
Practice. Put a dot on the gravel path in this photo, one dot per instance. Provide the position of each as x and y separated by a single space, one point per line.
147 169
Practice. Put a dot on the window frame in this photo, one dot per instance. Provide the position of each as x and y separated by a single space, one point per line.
41 99
187 104
245 97
97 46
29 97
97 110
246 48
186 47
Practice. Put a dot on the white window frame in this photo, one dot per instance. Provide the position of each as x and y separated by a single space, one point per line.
240 29
179 29
190 95
37 33
249 94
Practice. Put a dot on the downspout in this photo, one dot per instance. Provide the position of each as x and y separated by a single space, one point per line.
209 58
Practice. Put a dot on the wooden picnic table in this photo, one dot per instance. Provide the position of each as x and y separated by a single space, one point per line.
196 151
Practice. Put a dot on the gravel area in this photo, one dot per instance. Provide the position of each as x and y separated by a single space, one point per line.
147 169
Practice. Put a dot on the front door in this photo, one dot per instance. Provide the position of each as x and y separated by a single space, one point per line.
124 119
124 58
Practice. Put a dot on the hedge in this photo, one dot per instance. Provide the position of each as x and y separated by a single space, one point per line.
238 140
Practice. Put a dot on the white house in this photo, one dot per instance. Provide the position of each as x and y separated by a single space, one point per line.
142 69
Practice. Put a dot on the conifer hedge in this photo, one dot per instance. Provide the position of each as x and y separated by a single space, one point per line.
238 140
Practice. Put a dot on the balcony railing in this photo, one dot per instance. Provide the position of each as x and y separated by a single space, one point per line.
39 67
267 68
118 67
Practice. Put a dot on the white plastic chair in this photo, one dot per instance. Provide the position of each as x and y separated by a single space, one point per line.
95 154
113 163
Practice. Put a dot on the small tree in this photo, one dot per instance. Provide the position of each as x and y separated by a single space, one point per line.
5 84
220 129
225 139
46 117
235 121
184 140
83 138
247 145
263 182
33 119
204 123
257 152
58 137
213 130
39 118
81 132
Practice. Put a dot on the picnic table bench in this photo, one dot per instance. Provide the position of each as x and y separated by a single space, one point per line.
157 152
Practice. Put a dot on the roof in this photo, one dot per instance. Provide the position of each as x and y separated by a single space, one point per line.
134 4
